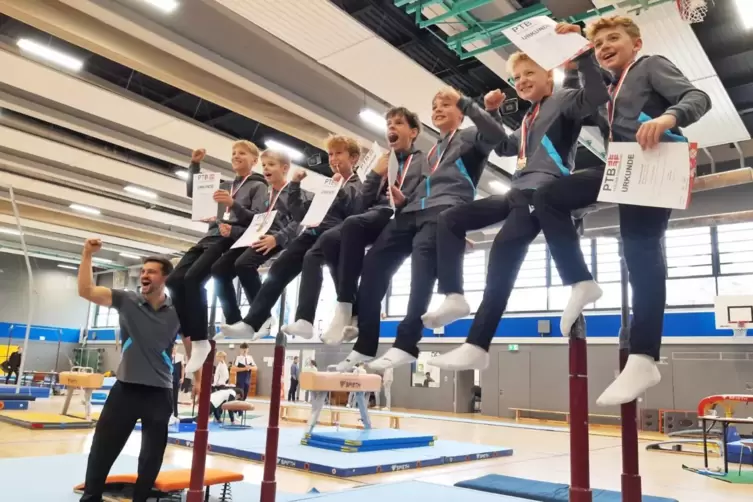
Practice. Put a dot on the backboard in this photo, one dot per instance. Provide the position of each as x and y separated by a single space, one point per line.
732 309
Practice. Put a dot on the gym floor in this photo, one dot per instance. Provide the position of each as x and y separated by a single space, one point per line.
540 455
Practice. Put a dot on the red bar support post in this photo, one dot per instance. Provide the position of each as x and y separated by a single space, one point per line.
269 482
580 482
201 436
631 478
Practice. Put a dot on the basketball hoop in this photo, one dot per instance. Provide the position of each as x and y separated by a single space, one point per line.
693 11
741 330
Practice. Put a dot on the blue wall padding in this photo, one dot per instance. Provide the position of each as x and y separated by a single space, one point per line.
540 491
16 332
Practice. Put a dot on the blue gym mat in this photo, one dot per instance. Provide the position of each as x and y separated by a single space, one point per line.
542 491
352 441
62 472
38 392
250 444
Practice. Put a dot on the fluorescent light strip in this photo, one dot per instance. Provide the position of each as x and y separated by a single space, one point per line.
129 255
281 147
102 260
373 119
182 174
9 231
745 9
85 209
49 54
68 267
140 191
166 6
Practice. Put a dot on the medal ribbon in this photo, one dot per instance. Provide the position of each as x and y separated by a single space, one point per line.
614 90
528 121
434 148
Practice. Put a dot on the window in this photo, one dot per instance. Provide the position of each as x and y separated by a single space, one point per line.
735 255
533 270
105 317
219 317
688 252
607 261
692 291
735 285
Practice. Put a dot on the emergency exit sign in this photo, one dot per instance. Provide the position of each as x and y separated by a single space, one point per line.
513 347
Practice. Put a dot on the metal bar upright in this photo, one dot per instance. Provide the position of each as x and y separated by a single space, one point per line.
201 436
631 479
269 483
580 482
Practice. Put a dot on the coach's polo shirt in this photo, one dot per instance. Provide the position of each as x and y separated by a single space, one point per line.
148 336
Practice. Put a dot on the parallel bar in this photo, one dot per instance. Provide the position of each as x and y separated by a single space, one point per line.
631 478
580 482
269 482
459 8
201 436
31 291
724 179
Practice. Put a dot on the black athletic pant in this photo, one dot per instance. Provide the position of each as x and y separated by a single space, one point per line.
641 229
409 234
310 286
452 227
126 404
285 268
508 251
356 233
293 389
245 263
186 284
176 392
11 372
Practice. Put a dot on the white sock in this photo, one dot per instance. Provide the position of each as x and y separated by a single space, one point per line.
333 335
174 420
583 293
452 308
237 330
350 333
465 357
350 362
199 352
301 328
639 375
393 357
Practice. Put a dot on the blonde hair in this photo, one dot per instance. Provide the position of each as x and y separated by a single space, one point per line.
610 22
221 355
248 146
281 157
517 58
346 142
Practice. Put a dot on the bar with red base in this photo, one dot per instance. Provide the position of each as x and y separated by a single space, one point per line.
201 436
580 482
269 482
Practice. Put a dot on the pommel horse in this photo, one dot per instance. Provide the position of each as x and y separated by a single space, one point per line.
86 379
320 384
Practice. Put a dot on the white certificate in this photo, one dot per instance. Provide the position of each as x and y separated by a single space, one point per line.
368 161
203 205
659 177
393 170
321 203
259 226
537 38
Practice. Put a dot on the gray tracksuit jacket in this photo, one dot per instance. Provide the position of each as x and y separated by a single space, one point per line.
653 86
249 200
344 205
454 181
553 135
284 227
374 190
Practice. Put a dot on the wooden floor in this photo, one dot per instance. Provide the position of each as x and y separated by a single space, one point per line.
537 455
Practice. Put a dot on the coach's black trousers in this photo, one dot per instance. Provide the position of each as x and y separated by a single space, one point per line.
126 404
408 234
452 227
641 229
186 284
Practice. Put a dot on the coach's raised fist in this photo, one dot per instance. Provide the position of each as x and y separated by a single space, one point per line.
92 245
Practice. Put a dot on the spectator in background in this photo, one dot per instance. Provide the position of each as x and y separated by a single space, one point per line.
221 373
179 374
294 375
243 364
14 364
